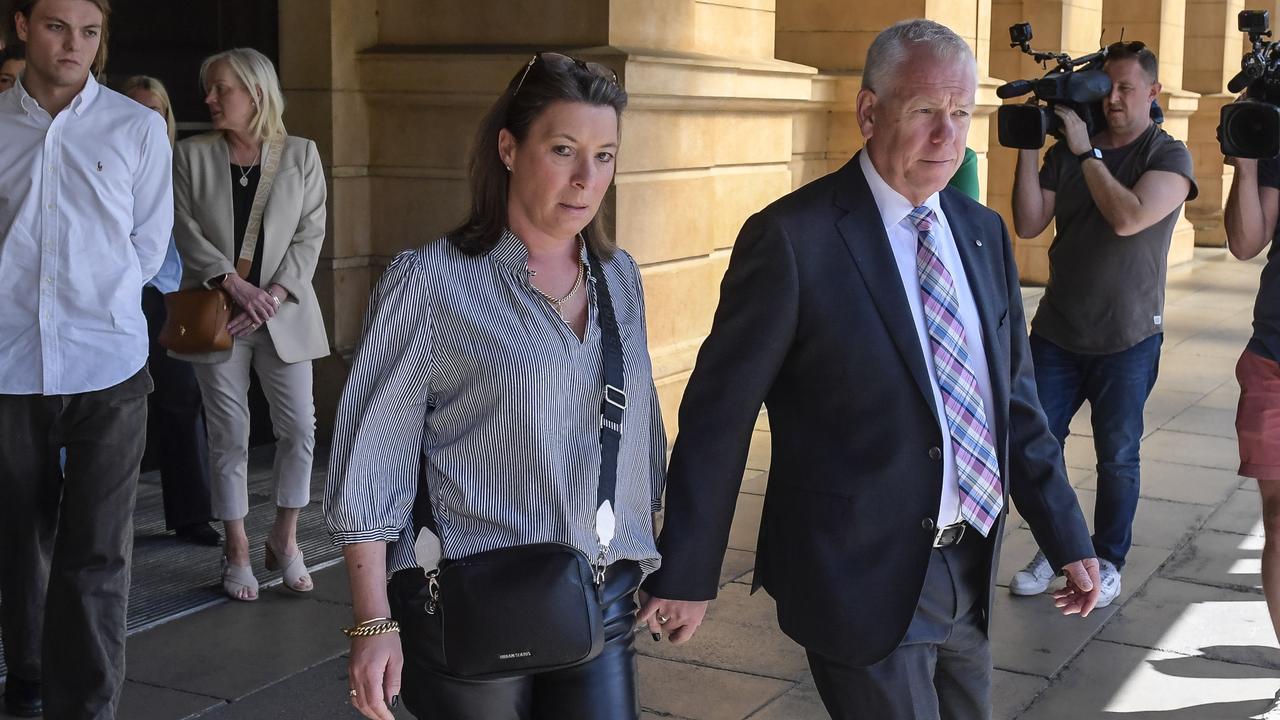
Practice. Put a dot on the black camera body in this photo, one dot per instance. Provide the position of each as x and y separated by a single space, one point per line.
1250 127
1078 83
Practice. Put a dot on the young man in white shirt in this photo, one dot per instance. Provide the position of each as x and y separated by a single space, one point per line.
86 210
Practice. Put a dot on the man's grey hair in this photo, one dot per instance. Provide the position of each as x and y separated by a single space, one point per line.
891 48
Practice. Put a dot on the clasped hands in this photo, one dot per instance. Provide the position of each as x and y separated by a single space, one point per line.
678 620
256 306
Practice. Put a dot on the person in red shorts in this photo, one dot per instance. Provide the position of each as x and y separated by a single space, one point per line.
1252 208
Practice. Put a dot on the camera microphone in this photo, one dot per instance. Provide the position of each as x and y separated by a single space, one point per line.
1239 82
1014 89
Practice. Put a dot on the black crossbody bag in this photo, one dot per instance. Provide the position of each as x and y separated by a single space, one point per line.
530 608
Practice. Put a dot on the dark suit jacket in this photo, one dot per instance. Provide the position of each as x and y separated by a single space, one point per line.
813 321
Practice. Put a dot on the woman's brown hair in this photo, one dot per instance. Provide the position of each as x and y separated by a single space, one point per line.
548 79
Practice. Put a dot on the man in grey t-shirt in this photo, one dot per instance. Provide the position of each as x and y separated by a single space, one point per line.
1097 334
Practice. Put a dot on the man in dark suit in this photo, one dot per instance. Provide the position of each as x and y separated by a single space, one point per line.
879 319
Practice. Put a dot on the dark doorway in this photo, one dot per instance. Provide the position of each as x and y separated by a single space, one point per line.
168 40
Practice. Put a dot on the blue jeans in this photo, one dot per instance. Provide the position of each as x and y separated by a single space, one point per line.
1117 386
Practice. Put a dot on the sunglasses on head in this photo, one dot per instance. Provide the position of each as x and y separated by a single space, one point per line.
594 68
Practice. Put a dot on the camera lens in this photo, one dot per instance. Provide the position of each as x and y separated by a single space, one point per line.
1250 130
1023 126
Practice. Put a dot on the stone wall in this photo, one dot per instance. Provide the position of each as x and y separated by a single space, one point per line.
733 103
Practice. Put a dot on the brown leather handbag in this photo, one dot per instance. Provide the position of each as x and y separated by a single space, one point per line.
197 318
196 321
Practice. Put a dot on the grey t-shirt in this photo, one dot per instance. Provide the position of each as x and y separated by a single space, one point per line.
1106 292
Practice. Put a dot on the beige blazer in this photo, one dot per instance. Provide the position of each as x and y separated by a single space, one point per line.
293 233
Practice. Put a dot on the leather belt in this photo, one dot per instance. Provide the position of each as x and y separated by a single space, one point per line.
949 535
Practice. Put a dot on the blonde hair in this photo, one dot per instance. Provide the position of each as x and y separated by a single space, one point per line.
258 75
150 84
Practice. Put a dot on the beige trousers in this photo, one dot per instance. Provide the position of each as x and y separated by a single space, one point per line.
287 386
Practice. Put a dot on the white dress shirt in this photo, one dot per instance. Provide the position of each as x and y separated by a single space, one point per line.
86 211
903 238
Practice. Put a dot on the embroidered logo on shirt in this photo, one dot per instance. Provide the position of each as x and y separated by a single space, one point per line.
99 166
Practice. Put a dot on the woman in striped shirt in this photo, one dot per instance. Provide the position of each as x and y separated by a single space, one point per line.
481 364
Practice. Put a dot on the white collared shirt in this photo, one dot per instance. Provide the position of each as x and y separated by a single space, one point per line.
903 239
86 211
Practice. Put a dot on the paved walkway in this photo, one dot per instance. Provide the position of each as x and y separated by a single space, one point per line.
1188 639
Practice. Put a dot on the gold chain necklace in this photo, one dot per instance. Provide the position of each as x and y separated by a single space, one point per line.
558 302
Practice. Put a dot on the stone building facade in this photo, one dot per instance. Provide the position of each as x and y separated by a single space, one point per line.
733 103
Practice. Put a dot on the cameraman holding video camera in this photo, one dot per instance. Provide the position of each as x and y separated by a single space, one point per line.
1250 219
1097 333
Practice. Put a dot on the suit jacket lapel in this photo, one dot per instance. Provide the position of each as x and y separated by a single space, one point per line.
863 234
985 278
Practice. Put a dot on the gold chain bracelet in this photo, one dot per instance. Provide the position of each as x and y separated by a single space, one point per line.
374 626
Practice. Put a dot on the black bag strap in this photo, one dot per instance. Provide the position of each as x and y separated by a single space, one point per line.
612 406
614 401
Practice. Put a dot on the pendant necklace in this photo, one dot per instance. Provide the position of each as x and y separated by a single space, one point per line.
244 172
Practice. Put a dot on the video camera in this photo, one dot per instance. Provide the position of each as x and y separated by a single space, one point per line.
1079 83
1250 127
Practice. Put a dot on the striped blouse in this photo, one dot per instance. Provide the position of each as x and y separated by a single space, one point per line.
463 361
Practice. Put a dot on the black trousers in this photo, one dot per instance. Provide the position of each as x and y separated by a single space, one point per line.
88 570
602 689
942 668
176 435
24 570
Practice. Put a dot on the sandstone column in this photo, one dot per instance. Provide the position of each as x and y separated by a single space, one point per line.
1213 51
833 35
394 93
319 40
1070 26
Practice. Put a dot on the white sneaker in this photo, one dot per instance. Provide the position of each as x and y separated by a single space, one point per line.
1110 583
1034 578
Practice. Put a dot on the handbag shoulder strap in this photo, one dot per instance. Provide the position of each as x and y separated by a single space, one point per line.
612 405
270 164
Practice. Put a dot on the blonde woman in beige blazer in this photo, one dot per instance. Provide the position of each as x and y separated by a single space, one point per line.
276 324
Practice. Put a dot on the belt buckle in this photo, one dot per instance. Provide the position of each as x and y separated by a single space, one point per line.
938 536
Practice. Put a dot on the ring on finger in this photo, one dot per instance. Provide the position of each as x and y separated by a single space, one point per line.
352 692
663 619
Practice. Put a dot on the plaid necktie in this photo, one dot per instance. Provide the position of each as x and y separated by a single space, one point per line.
977 470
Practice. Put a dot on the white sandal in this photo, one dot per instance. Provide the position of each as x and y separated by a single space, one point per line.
294 569
236 578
